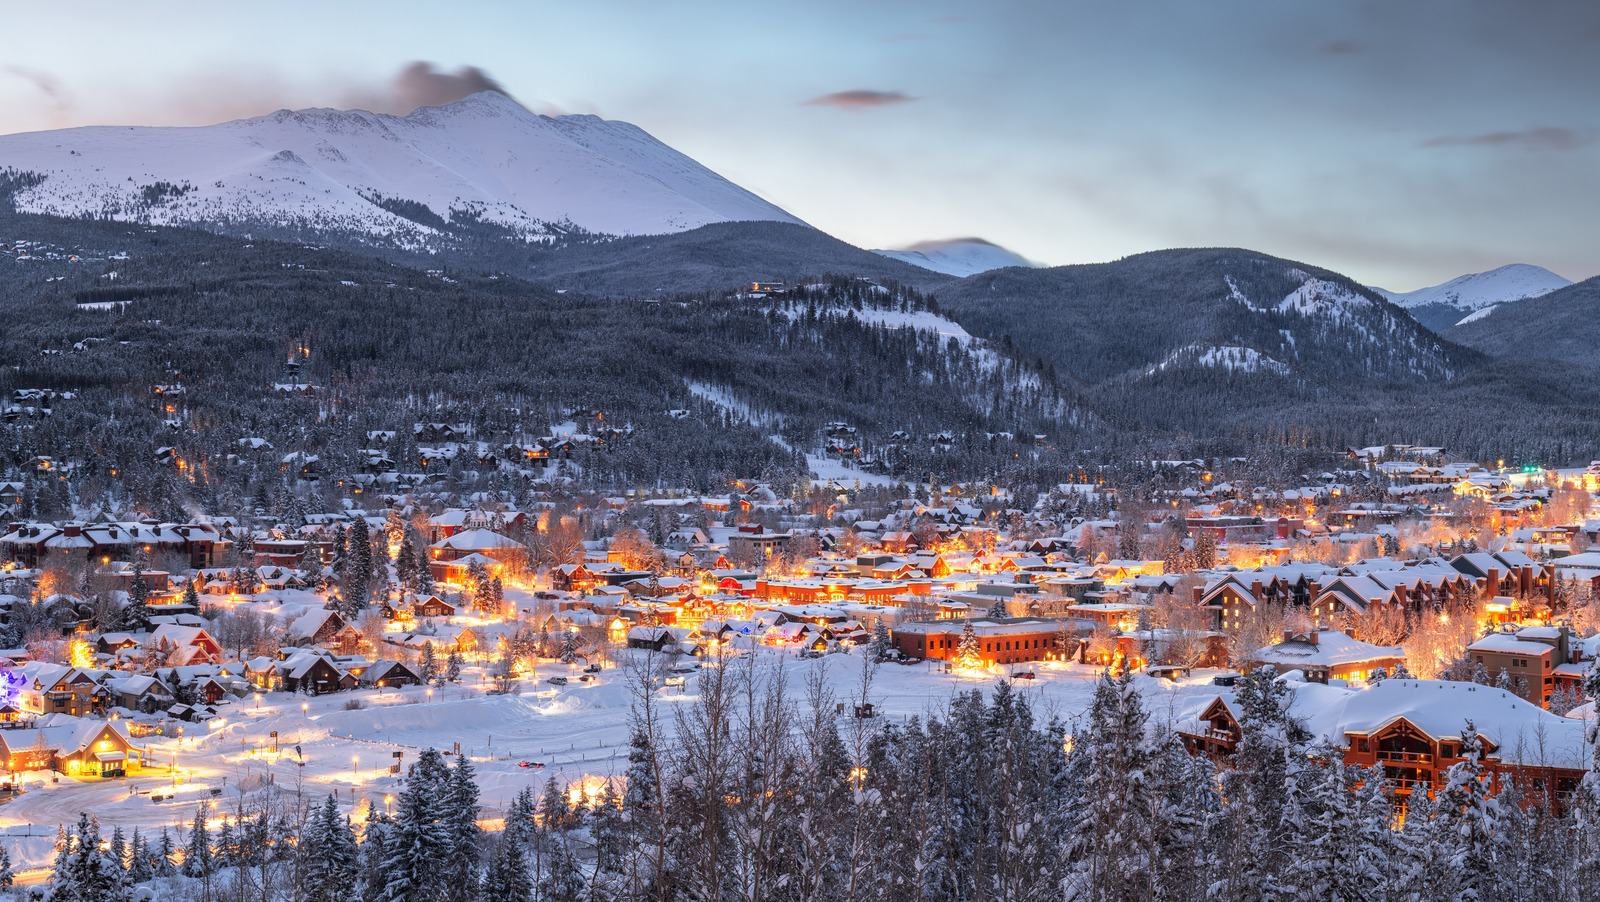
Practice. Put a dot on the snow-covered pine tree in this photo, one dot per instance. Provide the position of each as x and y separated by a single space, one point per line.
136 614
197 856
117 849
1502 680
86 874
141 867
1257 788
507 876
1468 813
968 651
328 854
1114 832
1480 674
452 666
418 845
997 610
165 854
879 646
8 875
460 822
1401 672
428 669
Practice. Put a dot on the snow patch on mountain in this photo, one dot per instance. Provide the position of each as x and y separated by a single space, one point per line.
482 158
1233 358
1476 291
1319 297
956 256
1478 314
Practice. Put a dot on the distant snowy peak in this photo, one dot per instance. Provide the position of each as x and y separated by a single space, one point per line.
1476 291
957 256
483 159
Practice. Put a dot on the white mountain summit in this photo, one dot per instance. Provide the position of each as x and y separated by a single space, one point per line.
956 256
1477 294
482 158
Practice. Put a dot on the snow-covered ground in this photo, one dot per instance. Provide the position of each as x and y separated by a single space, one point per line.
578 731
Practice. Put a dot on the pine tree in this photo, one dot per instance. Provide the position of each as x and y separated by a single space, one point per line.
562 881
968 651
165 866
136 615
405 564
997 610
452 666
460 823
330 856
1257 788
197 856
429 668
1502 680
357 574
1401 672
418 845
84 873
8 876
1480 674
507 876
1114 831
1468 814
880 645
141 868
118 851
191 595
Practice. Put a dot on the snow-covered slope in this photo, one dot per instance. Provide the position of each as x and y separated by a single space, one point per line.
483 157
1475 294
957 256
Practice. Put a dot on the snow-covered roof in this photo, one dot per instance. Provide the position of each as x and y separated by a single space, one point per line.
1522 732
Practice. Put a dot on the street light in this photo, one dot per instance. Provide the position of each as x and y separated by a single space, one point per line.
354 760
430 693
388 800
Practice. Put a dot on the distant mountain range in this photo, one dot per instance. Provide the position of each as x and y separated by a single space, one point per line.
1190 342
483 160
1440 307
957 256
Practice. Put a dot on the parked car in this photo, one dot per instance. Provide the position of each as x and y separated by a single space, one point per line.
557 681
592 668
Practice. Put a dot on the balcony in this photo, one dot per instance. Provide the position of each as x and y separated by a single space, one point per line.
1419 758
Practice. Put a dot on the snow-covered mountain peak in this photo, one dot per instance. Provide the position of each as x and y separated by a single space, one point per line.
1475 291
957 256
377 175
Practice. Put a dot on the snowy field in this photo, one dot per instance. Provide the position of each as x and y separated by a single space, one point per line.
577 731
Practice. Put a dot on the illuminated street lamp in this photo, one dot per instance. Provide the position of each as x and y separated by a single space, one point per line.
354 760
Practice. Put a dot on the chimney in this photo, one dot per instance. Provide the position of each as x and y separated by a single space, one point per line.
1199 593
1316 593
1288 634
1525 581
1493 587
1313 636
1255 589
1401 596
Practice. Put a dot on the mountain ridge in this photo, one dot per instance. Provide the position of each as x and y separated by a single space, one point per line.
1448 304
483 160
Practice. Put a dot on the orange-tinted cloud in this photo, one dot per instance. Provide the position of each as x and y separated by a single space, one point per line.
860 99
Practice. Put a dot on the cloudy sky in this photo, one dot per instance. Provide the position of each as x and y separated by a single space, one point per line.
1400 141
